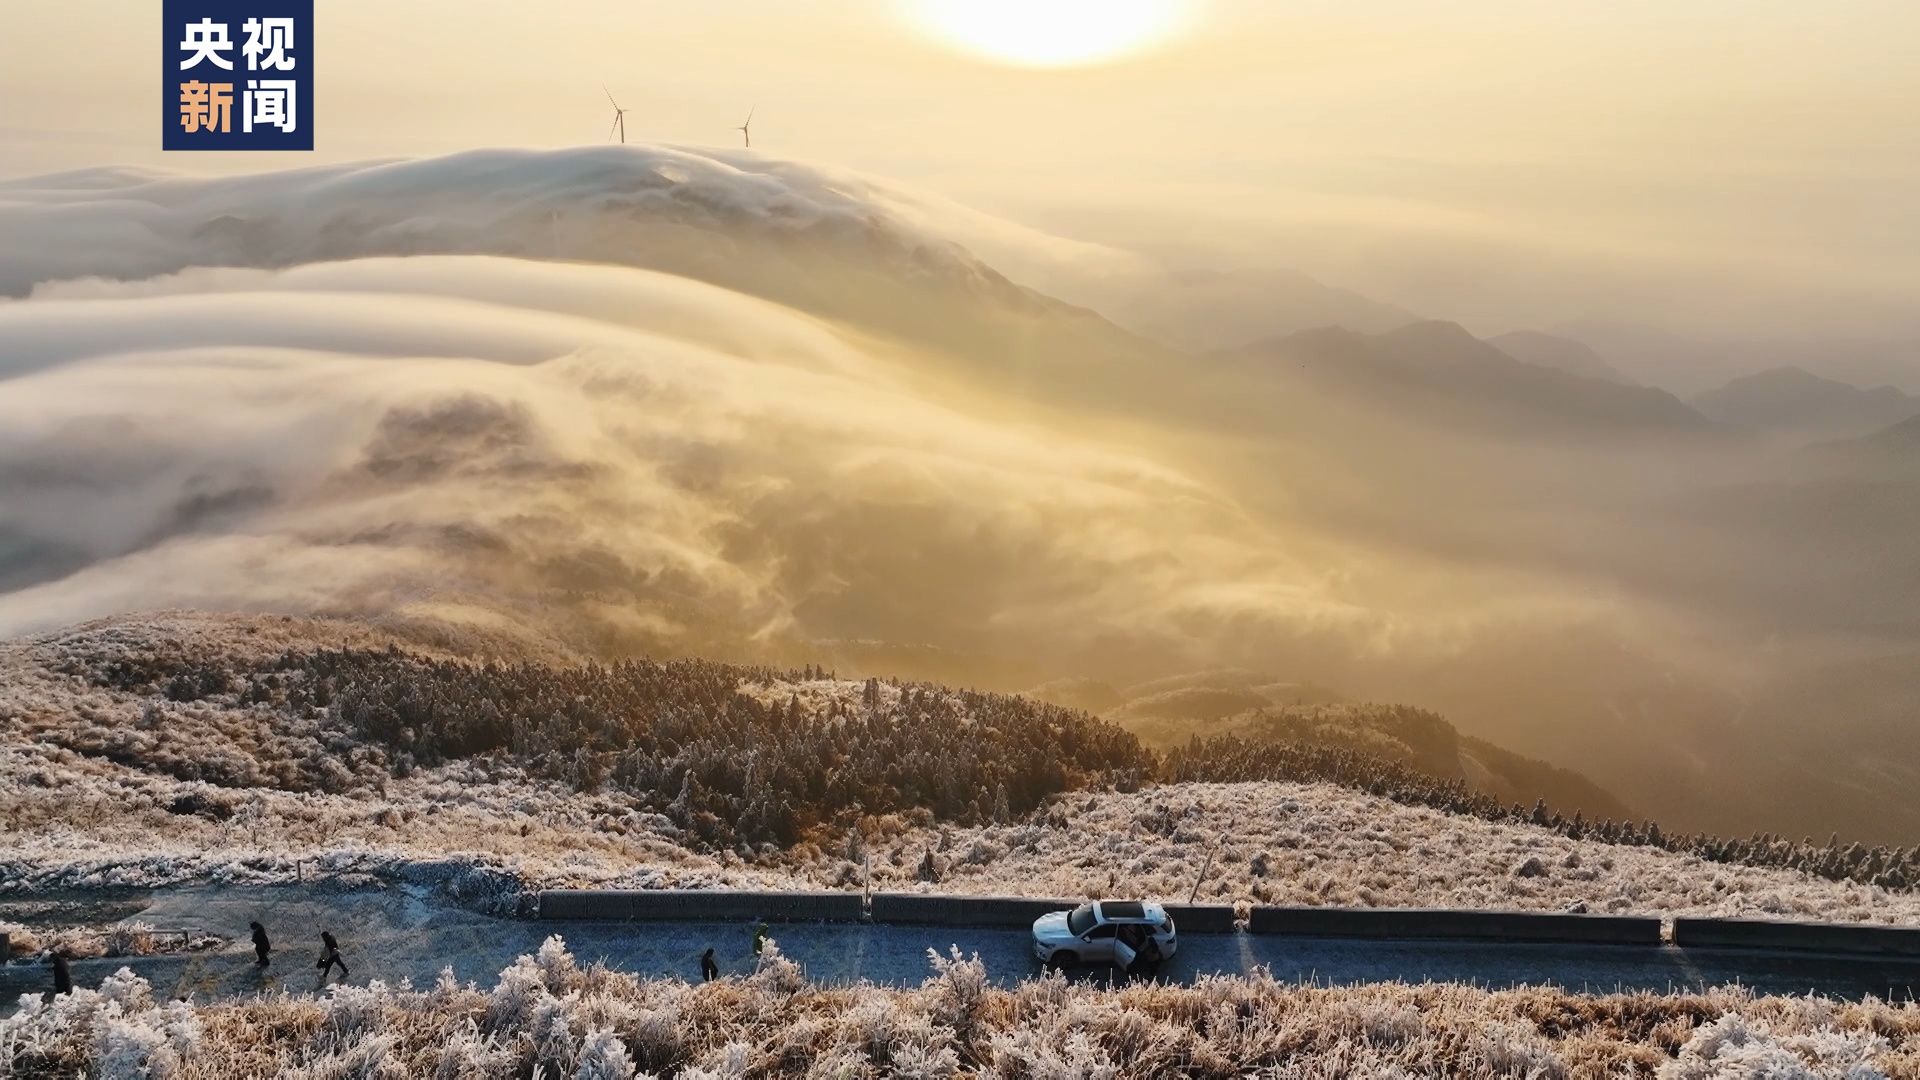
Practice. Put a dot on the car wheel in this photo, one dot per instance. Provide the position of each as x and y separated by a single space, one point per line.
1062 959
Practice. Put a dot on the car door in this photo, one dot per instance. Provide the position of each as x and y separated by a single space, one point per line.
1099 943
1123 954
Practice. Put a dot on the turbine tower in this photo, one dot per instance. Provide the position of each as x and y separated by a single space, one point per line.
743 129
619 117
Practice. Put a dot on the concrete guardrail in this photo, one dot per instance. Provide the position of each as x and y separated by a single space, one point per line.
1796 936
907 909
1468 925
923 909
1201 918
710 905
1018 912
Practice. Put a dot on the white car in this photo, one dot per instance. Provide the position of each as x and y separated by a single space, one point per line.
1105 932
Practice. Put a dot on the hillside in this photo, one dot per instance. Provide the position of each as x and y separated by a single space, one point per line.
1166 713
125 763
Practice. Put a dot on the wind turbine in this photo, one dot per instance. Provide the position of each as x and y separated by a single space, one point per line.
619 117
743 128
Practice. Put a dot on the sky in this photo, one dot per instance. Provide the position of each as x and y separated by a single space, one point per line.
1714 167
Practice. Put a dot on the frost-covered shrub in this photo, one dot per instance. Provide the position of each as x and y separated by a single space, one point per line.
957 991
656 1036
353 1011
515 998
925 1063
127 1049
128 992
468 1053
130 939
551 1032
730 1062
1042 1056
371 1057
558 970
1735 1047
775 974
1516 1049
603 1057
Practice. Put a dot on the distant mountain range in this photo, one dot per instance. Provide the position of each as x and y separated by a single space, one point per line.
1218 309
1693 365
1903 437
1444 373
1560 354
1795 403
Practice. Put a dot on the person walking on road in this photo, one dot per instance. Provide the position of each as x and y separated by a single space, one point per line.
329 956
261 946
62 978
709 970
759 938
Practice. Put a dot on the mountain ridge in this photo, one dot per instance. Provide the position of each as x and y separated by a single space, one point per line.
1793 402
1441 369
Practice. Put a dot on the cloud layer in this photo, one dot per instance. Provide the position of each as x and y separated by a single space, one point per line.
731 414
465 433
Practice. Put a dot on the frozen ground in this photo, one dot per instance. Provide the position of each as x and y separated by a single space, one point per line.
485 834
1278 843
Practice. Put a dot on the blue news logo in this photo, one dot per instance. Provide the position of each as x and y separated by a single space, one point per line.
236 75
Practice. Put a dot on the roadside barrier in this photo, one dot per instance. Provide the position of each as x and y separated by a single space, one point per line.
715 905
922 909
1202 918
1772 934
1466 925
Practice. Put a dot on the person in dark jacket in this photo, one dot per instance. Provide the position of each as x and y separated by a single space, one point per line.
709 970
62 978
261 946
329 956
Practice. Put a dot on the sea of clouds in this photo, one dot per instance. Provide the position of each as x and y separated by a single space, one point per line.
623 384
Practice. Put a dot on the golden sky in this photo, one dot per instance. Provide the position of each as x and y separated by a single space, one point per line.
1504 162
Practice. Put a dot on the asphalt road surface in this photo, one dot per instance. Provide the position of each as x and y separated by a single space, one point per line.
394 934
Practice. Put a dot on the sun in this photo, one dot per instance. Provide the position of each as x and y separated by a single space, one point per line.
1050 33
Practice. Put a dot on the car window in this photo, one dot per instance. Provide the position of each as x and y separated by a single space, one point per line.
1080 919
1100 932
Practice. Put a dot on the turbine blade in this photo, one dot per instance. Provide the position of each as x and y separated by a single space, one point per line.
609 93
616 123
750 109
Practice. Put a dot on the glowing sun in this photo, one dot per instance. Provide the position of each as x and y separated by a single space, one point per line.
1050 33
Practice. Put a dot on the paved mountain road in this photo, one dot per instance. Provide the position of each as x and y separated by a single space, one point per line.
392 934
